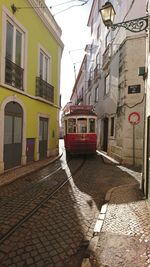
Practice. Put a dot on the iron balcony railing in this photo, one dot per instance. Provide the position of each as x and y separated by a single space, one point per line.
44 89
13 74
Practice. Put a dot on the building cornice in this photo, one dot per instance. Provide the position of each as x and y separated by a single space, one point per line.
49 21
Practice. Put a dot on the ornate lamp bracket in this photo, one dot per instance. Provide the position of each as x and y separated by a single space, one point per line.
135 25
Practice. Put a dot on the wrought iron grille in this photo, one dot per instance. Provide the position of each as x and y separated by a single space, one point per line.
13 74
44 89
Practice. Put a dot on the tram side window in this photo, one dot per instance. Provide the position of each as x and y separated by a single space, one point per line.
92 125
71 125
82 125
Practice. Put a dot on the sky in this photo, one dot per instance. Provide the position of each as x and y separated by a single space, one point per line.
75 36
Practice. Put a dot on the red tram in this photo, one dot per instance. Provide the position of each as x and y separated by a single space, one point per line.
80 124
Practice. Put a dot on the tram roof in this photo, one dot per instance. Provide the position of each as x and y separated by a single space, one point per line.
80 110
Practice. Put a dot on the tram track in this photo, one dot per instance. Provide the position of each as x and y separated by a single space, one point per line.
48 196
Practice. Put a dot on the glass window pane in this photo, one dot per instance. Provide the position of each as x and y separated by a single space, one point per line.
41 65
18 48
9 41
92 125
107 84
71 125
17 130
82 125
46 69
8 129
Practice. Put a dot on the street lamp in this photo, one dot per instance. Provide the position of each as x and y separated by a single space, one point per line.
108 14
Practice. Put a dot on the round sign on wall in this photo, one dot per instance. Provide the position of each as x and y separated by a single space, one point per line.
134 118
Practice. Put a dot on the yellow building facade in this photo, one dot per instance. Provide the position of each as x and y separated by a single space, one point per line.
30 56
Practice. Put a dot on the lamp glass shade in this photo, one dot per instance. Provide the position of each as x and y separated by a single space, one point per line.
108 14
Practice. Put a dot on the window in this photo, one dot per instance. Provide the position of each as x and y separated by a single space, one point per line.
82 125
96 94
112 125
97 59
98 32
71 125
91 72
92 22
14 59
14 41
92 125
44 66
89 100
107 84
43 87
9 41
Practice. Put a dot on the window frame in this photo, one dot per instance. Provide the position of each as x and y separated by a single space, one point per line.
47 57
107 84
89 99
7 16
96 94
98 32
16 29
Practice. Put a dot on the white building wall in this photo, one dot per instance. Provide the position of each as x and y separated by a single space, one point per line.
125 55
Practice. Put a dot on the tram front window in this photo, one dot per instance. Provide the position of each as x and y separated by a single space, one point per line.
71 125
92 125
82 125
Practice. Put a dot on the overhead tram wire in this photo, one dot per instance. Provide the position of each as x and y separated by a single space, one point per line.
14 8
84 2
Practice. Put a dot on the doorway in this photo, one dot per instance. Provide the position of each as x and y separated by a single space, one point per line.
12 135
105 134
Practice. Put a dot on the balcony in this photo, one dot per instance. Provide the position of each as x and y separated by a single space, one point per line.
97 72
44 90
107 56
13 74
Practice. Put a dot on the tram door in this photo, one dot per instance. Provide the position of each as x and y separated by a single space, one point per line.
43 138
12 135
105 134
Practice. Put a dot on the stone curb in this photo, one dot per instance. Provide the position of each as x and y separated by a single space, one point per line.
97 229
98 226
31 171
107 158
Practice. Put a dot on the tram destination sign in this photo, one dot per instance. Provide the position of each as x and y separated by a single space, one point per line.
83 107
134 89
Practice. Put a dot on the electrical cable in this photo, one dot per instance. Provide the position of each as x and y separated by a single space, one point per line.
70 8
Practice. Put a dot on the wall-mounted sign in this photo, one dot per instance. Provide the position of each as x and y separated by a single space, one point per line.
134 89
134 118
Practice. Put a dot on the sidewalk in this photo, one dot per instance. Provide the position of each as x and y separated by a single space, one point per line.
122 231
18 172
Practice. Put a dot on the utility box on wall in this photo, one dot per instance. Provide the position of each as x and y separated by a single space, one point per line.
30 149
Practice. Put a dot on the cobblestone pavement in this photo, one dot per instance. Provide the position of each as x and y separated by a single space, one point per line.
58 234
124 239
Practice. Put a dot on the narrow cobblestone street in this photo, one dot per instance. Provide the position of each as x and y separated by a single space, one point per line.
60 230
